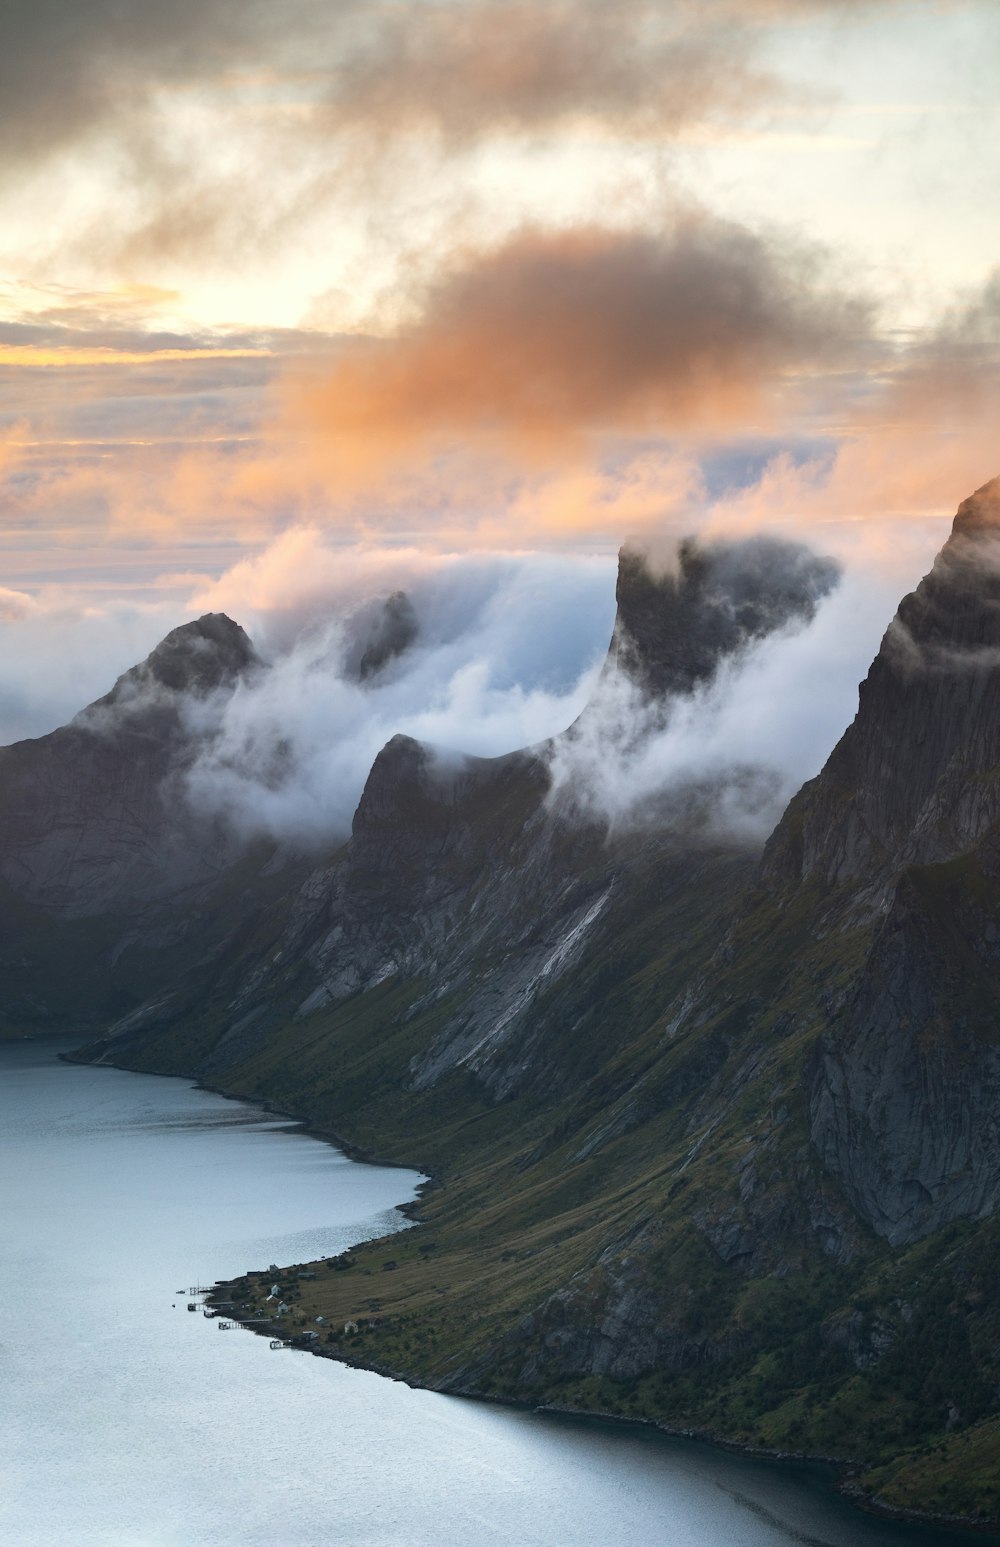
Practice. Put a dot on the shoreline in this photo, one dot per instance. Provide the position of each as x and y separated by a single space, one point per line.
302 1125
844 1471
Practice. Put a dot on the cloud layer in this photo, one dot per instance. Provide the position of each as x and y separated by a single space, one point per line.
463 68
508 652
726 758
552 337
500 651
504 654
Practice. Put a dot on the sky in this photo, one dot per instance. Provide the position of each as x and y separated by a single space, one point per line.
300 301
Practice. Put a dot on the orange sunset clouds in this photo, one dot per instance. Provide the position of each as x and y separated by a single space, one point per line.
482 273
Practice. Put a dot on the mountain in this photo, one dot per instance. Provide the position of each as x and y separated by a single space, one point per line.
89 817
110 883
474 889
383 634
900 831
712 1131
911 781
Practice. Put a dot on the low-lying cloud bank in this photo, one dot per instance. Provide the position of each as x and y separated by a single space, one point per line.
483 655
479 654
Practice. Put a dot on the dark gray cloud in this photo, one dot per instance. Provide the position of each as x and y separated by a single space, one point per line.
460 67
525 65
68 65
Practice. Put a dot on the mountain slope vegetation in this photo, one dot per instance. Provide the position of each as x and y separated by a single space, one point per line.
712 1131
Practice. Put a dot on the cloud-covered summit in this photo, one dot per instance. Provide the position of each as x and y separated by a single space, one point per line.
210 654
675 629
671 733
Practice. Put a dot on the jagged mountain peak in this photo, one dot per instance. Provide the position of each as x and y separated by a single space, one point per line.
91 814
376 634
955 604
912 778
197 657
401 764
980 513
675 626
413 782
391 633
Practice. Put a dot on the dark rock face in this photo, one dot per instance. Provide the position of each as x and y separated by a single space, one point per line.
455 876
377 634
904 1100
904 1103
197 658
394 630
674 630
112 887
91 818
898 834
912 780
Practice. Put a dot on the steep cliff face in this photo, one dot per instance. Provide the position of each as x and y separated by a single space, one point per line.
898 836
904 1098
914 778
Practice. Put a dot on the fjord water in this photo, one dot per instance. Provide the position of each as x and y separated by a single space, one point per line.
127 1422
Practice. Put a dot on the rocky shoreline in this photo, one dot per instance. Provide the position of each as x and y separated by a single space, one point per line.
844 1474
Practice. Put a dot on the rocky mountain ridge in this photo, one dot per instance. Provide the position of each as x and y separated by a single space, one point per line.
465 872
714 1133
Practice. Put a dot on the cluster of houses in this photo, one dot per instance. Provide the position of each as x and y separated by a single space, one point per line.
280 1307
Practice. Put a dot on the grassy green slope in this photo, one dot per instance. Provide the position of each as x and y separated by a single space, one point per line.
670 1193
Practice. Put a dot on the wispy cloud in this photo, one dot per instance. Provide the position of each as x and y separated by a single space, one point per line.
463 68
104 354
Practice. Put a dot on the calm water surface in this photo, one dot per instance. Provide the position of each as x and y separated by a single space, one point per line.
126 1422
